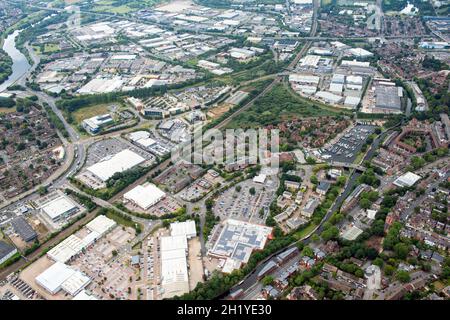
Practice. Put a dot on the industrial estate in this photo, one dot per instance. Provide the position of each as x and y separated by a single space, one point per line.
96 98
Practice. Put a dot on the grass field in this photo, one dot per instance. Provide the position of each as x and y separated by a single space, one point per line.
300 234
278 105
89 112
111 9
7 110
51 47
118 7
105 2
119 219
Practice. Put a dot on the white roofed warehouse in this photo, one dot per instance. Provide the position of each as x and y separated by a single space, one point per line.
60 276
174 265
120 162
186 228
144 196
174 272
407 180
101 225
57 206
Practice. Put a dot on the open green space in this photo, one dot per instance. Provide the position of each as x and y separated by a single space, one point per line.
111 9
89 112
51 47
122 7
304 232
277 105
7 110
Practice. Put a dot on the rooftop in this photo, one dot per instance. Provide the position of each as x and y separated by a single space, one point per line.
145 195
107 167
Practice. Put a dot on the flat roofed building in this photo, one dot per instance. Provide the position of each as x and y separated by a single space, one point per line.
323 187
261 178
360 53
59 207
83 295
77 282
354 80
329 97
67 249
6 251
387 97
309 208
310 61
144 196
407 180
146 143
174 242
354 63
23 229
336 88
60 276
241 53
107 167
352 101
304 79
138 135
94 124
185 228
54 276
338 78
174 272
238 239
351 233
101 225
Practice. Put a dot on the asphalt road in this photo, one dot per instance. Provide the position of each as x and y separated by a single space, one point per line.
251 279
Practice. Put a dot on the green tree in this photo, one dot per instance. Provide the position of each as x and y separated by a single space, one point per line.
402 276
401 250
365 203
315 238
267 280
307 251
389 270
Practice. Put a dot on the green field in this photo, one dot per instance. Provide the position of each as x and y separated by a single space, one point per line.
7 110
51 47
278 105
122 7
89 112
111 9
304 232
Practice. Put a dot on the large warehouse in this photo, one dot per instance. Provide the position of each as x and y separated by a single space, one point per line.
407 180
236 241
174 250
73 245
58 206
107 167
186 228
6 251
60 276
174 272
101 225
144 196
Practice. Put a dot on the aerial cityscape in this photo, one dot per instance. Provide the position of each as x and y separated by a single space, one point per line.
224 150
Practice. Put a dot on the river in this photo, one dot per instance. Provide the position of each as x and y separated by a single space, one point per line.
20 63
